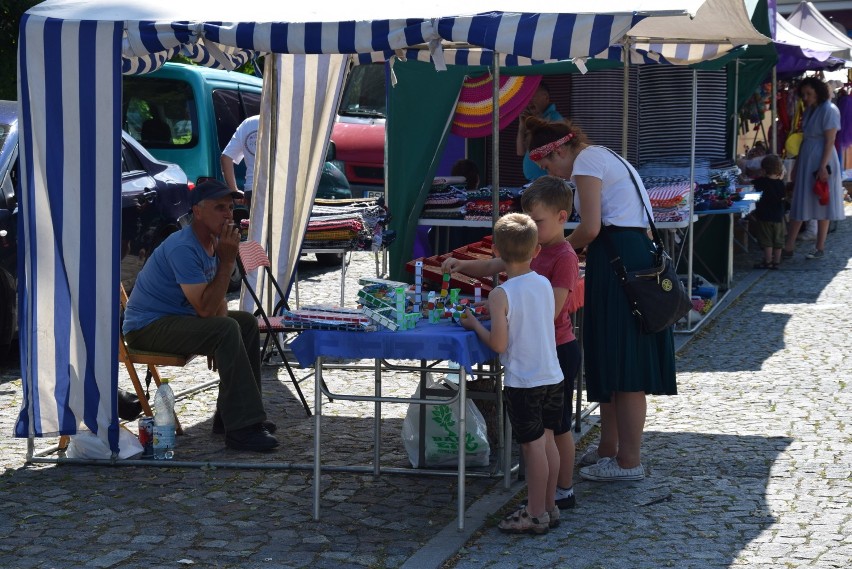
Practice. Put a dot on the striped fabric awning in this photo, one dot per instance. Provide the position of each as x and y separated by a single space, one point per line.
528 38
71 56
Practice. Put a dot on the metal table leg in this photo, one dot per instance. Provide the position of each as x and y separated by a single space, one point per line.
317 421
462 437
377 419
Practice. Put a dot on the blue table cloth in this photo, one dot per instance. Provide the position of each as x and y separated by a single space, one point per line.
443 341
742 207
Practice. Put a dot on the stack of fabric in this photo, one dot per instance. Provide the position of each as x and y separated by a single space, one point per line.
480 205
725 175
445 202
675 167
347 226
337 231
669 198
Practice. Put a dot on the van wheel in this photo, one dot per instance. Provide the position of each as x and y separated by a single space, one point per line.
328 259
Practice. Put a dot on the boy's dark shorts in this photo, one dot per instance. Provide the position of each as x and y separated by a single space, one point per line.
531 410
569 363
771 234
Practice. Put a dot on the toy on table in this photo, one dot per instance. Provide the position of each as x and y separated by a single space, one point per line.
385 302
418 285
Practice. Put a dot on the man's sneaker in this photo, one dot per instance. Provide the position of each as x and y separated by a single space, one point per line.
254 438
608 470
590 457
565 499
554 517
815 254
521 521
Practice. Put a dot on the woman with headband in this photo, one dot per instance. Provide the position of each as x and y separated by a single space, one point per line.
622 364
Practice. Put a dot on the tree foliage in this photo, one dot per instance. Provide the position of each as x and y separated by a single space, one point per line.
10 16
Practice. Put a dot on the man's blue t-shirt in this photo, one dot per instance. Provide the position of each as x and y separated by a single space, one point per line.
531 169
180 259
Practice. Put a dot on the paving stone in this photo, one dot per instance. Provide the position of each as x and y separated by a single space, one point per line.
751 460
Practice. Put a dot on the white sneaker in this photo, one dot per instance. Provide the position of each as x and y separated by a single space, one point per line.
608 470
590 457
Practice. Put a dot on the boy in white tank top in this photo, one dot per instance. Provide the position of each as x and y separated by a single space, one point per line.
522 311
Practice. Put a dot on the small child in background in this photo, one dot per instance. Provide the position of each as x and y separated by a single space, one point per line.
522 311
769 211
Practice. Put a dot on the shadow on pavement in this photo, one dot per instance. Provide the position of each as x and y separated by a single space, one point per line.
702 502
751 330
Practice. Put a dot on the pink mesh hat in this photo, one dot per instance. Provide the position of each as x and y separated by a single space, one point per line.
473 112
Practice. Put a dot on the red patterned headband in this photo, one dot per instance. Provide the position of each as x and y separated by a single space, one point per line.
537 154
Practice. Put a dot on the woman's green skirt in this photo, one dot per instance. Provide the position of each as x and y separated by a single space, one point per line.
618 357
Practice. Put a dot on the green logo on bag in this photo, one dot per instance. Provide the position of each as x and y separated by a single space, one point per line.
442 415
667 285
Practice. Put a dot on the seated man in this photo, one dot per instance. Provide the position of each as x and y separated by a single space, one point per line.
178 305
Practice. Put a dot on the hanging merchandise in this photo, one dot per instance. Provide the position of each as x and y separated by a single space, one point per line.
794 139
475 107
753 112
844 105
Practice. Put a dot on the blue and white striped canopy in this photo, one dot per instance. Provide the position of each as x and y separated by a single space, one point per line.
71 57
537 37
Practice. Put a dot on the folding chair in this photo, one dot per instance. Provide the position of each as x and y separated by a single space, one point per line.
252 256
130 357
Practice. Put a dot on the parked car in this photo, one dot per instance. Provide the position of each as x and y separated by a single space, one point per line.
186 114
154 195
359 131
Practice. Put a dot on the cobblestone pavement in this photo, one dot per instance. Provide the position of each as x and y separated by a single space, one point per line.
748 466
95 516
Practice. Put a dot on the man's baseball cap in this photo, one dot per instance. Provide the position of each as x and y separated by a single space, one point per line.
211 190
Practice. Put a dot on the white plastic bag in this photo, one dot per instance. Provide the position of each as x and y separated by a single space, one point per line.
88 445
441 434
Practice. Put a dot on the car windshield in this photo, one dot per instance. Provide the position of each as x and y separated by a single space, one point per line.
364 94
160 113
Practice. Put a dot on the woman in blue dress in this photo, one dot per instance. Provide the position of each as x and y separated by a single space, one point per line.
817 160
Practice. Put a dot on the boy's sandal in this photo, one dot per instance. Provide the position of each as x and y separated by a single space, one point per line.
763 265
774 266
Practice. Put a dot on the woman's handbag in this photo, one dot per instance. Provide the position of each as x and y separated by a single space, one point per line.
656 296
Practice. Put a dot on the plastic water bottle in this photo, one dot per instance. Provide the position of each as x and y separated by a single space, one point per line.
164 422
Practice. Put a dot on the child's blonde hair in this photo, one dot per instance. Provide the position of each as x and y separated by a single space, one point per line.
549 191
516 237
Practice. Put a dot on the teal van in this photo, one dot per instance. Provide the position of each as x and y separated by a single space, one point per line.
186 114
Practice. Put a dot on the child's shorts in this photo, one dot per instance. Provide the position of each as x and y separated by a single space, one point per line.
771 234
531 410
569 363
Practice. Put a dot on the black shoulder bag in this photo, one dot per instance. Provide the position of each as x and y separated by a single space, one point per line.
657 297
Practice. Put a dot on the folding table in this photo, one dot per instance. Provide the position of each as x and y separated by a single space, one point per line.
426 342
713 242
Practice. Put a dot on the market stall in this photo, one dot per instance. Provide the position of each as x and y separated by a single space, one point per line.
69 245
